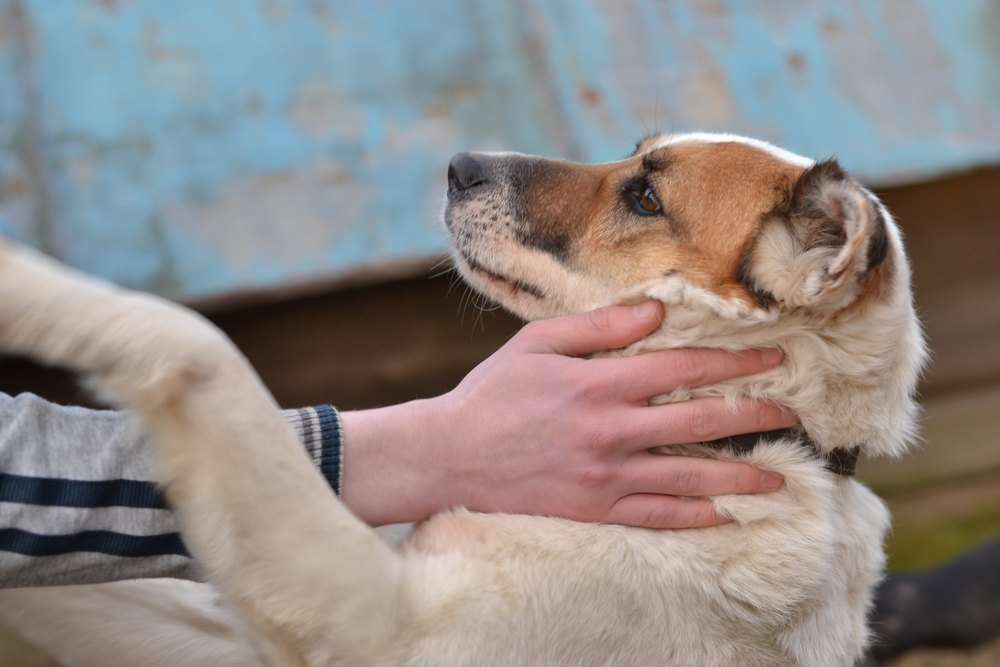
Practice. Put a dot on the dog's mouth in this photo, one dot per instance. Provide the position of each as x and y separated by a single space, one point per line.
504 285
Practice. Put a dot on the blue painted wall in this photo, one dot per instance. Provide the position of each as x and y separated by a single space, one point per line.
201 148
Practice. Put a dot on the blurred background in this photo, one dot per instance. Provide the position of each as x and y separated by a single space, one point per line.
280 165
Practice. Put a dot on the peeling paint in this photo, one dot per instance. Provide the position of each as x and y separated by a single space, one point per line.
265 218
709 94
15 204
318 108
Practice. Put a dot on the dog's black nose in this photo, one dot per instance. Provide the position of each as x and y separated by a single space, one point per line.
465 171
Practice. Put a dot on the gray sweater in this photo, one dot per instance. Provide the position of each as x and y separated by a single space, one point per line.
77 500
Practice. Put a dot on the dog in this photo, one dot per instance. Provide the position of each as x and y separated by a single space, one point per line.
746 244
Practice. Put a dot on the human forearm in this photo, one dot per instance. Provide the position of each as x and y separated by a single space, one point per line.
78 503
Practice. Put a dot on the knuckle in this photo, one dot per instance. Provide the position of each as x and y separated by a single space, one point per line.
738 364
764 416
769 416
686 481
749 415
746 478
585 388
702 423
690 368
594 477
601 319
703 514
666 515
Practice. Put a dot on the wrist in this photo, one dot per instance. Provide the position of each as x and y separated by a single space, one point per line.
391 473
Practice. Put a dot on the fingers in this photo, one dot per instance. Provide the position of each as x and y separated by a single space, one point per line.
702 420
653 373
594 331
670 491
694 477
654 511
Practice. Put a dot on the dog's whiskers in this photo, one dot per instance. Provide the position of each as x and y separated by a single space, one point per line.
442 272
463 303
454 281
444 261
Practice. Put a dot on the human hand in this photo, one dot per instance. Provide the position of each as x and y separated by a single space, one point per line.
539 429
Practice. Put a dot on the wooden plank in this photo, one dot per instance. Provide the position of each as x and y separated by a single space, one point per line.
961 439
954 244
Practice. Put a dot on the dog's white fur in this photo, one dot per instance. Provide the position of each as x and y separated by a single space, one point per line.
788 582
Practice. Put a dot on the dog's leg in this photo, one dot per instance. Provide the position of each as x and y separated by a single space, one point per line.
310 577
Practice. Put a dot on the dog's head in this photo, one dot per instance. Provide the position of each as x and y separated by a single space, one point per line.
747 245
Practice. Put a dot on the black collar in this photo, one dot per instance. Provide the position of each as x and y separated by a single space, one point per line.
841 461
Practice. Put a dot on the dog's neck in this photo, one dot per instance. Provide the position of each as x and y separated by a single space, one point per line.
850 377
849 389
840 461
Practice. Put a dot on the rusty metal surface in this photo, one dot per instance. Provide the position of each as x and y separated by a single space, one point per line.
196 149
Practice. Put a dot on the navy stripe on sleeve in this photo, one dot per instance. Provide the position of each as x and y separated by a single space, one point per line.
55 492
98 541
330 447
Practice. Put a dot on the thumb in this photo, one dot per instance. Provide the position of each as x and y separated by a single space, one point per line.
606 328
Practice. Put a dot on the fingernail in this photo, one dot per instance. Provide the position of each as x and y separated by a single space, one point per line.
769 481
771 356
644 310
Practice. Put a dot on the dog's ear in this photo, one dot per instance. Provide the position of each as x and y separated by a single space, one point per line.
820 248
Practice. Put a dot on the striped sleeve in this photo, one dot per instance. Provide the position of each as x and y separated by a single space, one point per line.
77 500
319 429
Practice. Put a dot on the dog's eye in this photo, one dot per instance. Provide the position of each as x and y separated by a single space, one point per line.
643 200
648 201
